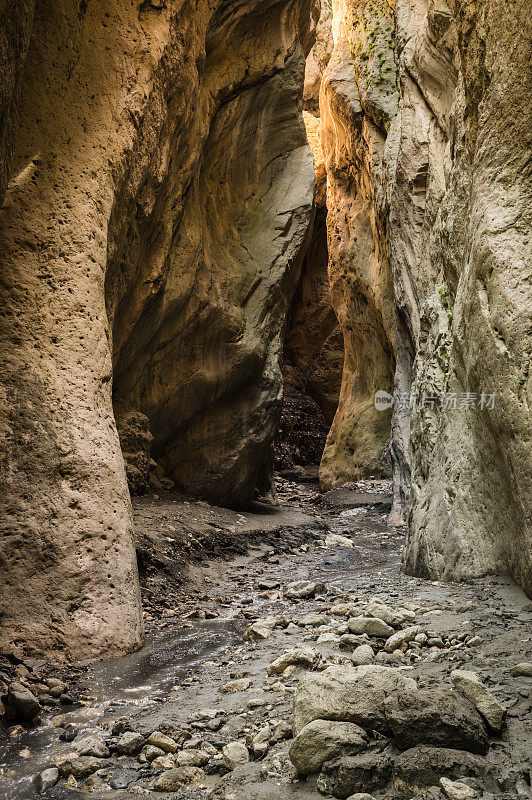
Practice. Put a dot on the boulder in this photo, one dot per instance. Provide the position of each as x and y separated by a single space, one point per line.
391 616
524 670
260 630
470 685
92 746
130 743
437 717
348 694
47 779
336 540
373 626
321 740
421 767
173 779
360 773
80 767
238 685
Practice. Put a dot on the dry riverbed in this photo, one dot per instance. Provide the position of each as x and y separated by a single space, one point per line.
367 668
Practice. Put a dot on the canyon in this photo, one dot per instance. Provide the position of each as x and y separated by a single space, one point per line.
253 242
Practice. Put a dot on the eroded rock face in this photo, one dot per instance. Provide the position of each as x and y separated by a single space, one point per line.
358 100
152 234
435 190
462 267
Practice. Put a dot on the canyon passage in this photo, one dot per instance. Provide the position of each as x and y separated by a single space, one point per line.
266 459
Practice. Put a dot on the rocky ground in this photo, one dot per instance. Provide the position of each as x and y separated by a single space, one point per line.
304 664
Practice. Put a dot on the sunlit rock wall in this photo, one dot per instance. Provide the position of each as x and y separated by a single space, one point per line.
358 101
151 236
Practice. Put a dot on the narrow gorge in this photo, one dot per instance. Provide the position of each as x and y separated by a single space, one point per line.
265 341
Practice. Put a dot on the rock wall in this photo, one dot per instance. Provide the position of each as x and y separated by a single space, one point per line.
358 101
464 280
433 193
152 233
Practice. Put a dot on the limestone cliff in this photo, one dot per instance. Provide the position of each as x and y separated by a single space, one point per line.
358 100
444 189
463 275
151 236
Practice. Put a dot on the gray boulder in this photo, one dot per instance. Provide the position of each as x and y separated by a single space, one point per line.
321 740
421 767
47 779
363 654
438 717
299 590
348 694
397 640
360 773
130 743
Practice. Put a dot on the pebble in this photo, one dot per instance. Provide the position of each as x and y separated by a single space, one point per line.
455 790
47 779
163 742
234 755
130 743
523 670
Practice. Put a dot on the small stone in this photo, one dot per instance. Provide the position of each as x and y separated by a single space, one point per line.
47 779
163 742
300 654
401 638
238 685
470 685
523 670
234 755
455 790
362 655
173 779
22 700
80 767
130 743
370 625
